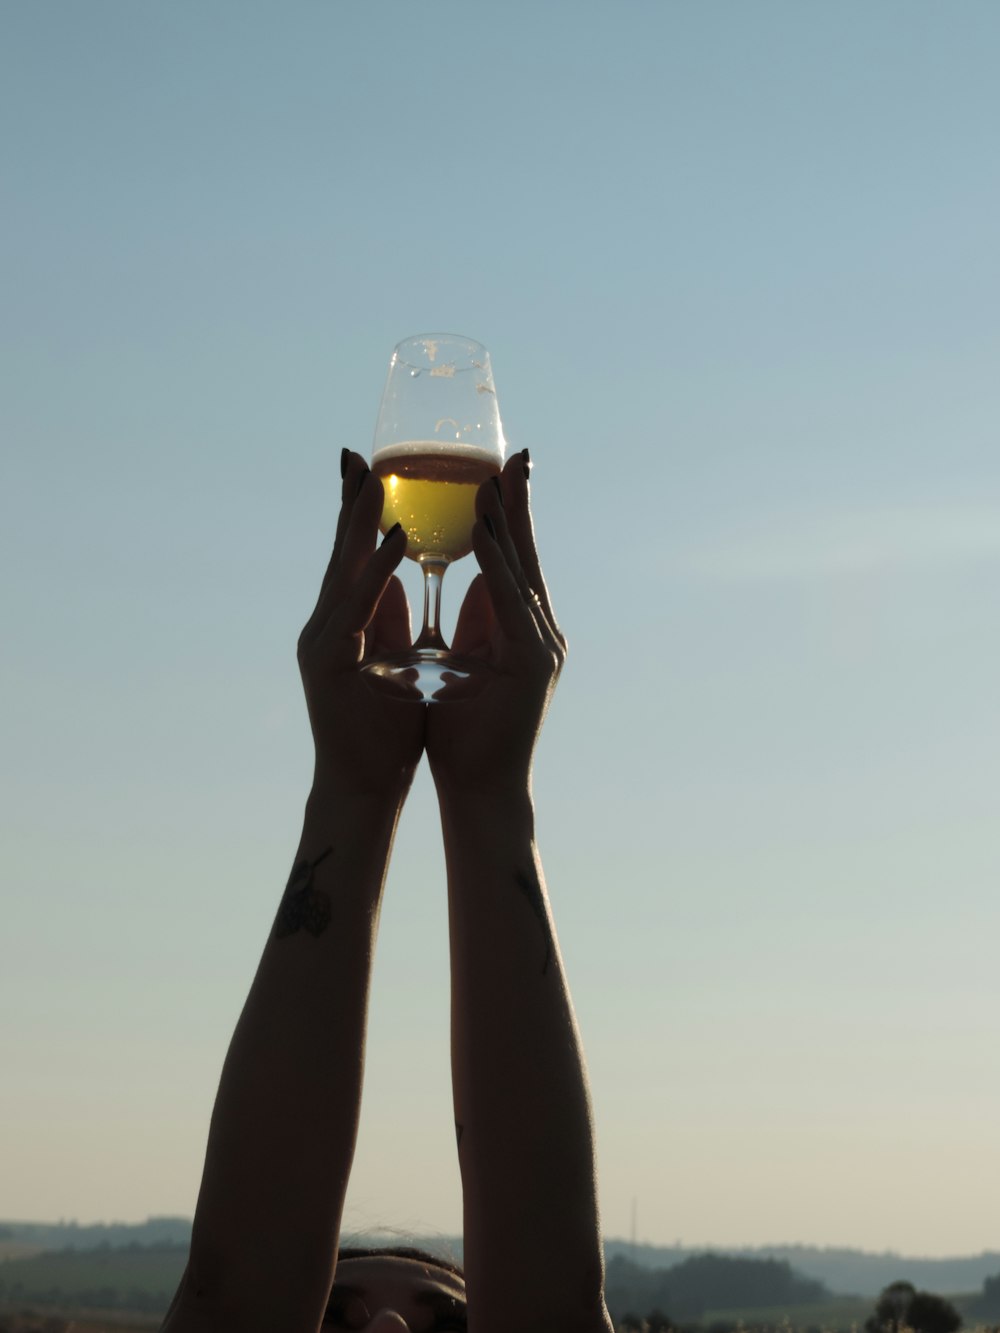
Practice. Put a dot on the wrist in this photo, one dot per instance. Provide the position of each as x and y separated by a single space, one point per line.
497 809
336 813
333 792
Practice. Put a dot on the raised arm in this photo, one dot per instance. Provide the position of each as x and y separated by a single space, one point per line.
286 1113
533 1254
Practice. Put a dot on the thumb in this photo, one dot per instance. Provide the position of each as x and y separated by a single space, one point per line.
356 611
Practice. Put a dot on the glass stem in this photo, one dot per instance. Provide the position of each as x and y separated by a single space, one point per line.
430 635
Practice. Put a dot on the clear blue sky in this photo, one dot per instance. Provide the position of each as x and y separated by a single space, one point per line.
737 267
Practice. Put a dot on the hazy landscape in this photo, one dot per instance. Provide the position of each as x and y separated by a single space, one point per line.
56 1277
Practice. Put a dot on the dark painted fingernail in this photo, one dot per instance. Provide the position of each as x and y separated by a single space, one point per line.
526 462
489 526
361 480
344 456
496 483
392 532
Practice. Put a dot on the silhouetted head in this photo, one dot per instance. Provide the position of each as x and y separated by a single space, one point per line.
396 1289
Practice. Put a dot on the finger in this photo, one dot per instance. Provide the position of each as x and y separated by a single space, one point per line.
355 611
489 500
509 606
517 508
353 467
492 506
358 542
390 630
475 620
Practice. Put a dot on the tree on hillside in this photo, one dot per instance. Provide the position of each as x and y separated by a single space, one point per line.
718 1281
889 1314
901 1306
932 1314
987 1305
706 1282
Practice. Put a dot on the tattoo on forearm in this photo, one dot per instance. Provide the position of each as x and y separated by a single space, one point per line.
527 882
302 906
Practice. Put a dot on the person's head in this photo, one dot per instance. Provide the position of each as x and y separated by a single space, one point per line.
398 1289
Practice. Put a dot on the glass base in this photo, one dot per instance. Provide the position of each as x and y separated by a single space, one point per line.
428 675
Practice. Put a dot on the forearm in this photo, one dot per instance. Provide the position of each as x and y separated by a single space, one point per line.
521 1100
286 1114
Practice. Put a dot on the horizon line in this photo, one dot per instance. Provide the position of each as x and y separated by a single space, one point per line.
698 1247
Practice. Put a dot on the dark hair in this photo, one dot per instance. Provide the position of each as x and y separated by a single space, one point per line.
400 1252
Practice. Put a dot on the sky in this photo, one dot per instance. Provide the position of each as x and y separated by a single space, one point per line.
737 268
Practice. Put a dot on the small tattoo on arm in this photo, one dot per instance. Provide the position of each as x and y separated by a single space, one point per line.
302 906
527 882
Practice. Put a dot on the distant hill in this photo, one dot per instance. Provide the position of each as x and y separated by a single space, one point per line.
842 1271
705 1282
70 1235
143 1278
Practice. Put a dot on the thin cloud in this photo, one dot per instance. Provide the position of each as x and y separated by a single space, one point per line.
866 543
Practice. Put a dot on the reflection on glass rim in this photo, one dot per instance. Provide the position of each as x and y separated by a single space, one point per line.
433 344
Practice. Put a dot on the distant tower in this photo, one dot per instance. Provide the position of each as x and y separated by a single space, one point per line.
633 1223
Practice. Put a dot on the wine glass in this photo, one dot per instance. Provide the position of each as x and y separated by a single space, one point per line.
438 437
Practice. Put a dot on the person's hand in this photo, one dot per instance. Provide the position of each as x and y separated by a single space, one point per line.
482 732
367 742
